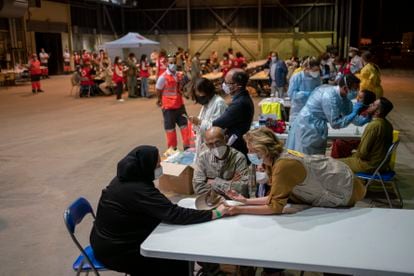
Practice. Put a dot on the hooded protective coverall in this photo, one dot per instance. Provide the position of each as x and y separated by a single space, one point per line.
300 87
309 131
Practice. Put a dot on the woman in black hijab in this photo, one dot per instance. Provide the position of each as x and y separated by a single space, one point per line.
129 210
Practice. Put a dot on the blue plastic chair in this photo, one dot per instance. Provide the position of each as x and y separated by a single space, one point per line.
73 215
384 177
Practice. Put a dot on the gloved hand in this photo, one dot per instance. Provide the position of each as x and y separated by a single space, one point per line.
357 107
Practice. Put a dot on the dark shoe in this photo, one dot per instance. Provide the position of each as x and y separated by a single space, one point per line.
133 97
33 91
40 90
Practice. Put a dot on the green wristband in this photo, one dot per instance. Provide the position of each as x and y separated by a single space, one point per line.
218 213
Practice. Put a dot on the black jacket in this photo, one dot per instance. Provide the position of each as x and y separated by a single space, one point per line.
237 119
131 207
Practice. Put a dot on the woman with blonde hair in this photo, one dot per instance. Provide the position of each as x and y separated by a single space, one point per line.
314 180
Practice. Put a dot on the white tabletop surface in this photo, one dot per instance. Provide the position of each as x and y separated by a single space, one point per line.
361 241
351 132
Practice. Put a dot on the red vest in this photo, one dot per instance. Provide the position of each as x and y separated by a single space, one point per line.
86 76
171 97
35 67
143 72
115 77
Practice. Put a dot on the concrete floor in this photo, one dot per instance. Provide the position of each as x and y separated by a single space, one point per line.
55 148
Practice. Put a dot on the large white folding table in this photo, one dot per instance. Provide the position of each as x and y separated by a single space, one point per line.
359 241
351 132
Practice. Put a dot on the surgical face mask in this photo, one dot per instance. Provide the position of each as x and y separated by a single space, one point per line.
172 67
323 62
119 61
226 88
352 94
219 151
261 177
158 172
314 74
274 59
351 54
254 158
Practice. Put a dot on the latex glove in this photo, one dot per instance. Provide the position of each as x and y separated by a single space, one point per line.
357 107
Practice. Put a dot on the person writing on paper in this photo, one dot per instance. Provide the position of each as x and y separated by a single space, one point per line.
375 141
130 208
327 104
220 167
314 180
213 106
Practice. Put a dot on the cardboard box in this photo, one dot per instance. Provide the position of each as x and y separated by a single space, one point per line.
177 178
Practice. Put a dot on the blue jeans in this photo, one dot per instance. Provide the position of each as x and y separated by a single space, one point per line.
144 87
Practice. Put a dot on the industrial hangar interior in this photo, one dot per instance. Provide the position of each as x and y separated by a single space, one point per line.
134 137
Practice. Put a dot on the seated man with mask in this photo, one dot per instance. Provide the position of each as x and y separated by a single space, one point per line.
220 167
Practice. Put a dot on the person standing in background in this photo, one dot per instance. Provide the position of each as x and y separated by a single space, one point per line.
144 74
118 78
35 73
44 59
132 76
66 61
370 75
171 101
76 60
278 73
195 66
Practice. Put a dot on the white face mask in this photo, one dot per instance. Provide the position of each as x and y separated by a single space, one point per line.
158 172
219 151
119 61
274 59
314 74
261 177
226 88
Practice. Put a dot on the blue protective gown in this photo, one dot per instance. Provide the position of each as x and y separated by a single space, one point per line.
300 87
309 132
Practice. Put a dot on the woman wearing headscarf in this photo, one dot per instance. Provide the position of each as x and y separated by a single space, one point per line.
130 208
213 106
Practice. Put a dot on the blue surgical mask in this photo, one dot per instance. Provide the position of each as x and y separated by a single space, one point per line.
352 94
254 158
158 172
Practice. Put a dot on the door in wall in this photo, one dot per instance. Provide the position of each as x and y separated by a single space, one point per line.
52 43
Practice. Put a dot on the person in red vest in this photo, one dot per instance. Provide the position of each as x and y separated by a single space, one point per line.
35 74
226 64
86 80
162 63
239 61
118 78
170 99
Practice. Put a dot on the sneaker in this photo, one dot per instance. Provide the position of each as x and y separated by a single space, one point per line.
33 91
40 90
121 100
169 152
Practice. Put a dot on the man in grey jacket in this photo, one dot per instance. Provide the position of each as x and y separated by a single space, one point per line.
220 167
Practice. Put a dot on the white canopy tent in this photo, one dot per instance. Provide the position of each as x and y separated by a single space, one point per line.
131 43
